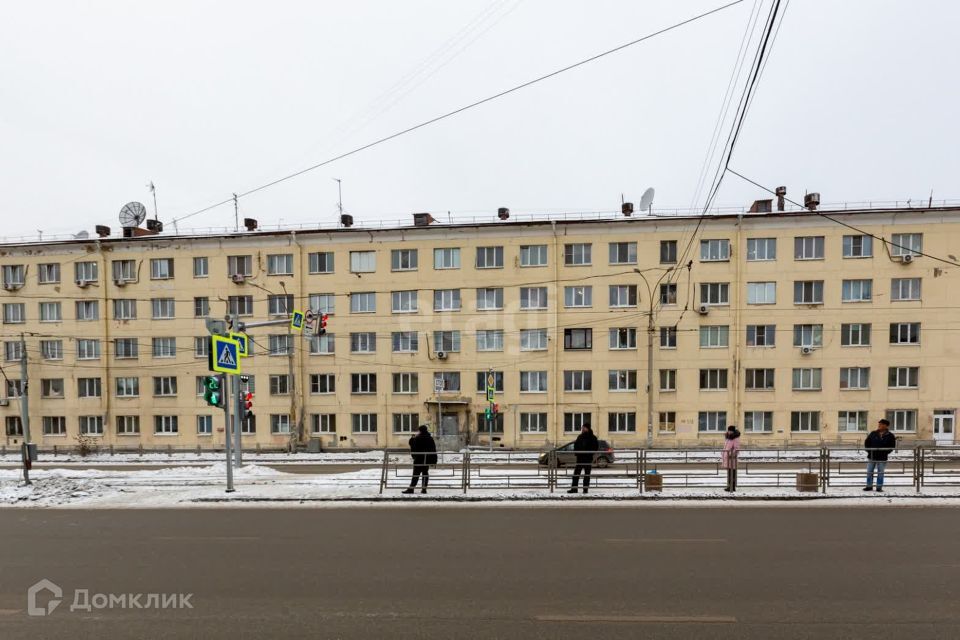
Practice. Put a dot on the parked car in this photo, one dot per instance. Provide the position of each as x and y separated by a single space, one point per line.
567 456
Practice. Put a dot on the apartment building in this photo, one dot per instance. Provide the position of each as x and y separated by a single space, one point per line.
793 326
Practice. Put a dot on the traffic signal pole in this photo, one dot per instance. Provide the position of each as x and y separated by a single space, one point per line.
226 431
237 417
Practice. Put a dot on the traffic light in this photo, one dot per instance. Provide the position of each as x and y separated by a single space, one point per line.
213 389
323 324
488 413
247 405
496 409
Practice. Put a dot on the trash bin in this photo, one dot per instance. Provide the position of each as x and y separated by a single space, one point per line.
653 481
808 482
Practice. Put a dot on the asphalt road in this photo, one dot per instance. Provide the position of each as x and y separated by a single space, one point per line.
442 572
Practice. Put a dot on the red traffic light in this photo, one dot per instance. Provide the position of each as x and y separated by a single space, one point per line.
248 401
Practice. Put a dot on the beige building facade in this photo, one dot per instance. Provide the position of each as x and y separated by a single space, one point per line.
792 326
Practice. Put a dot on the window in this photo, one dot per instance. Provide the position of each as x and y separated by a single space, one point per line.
164 386
578 296
856 334
533 381
905 289
577 380
322 345
51 388
48 273
759 379
54 426
14 388
279 423
904 333
124 271
403 260
448 380
761 249
489 257
490 340
532 298
577 339
404 301
714 250
88 388
715 293
713 337
906 244
668 379
50 311
482 381
163 308
621 422
51 349
761 335
323 383
574 421
668 293
363 342
323 422
854 377
668 337
807 379
712 421
534 255
240 305
279 305
667 422
808 292
405 422
761 293
406 382
805 421
280 344
365 302
622 338
904 378
857 247
533 423
851 421
248 426
88 310
128 387
130 425
166 425
902 419
123 309
126 349
668 252
279 384
280 264
91 425
623 253
88 349
240 265
86 272
758 421
405 341
808 248
363 383
576 255
448 258
323 303
857 291
363 422
447 341
533 340
201 307
204 425
713 379
164 347
808 335
623 295
489 299
201 267
622 380
363 261
13 312
320 262
161 268
446 300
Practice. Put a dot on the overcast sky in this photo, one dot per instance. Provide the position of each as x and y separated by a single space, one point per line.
858 102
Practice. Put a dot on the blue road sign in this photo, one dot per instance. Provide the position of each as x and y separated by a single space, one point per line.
296 320
244 343
224 355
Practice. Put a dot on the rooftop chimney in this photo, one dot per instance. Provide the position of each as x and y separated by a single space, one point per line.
102 231
346 220
422 219
250 224
761 206
781 196
626 209
811 201
503 213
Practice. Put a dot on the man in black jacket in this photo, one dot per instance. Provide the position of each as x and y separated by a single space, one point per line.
586 446
423 450
878 444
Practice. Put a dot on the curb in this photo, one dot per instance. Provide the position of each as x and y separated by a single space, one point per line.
465 499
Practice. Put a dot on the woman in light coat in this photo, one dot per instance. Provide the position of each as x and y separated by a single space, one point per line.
728 458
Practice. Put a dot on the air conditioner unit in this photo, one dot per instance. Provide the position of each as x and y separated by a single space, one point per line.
238 278
441 355
806 350
120 282
83 284
12 286
703 309
906 258
4 402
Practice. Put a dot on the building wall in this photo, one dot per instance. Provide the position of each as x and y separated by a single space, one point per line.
934 355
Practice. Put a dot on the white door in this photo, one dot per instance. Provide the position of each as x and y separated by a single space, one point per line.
944 426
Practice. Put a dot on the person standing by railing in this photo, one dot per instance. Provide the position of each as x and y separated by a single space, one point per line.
423 450
586 447
728 457
878 444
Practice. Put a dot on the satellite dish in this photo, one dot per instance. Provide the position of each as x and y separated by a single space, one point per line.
83 235
646 200
132 214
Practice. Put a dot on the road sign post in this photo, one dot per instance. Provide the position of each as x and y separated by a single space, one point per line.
224 356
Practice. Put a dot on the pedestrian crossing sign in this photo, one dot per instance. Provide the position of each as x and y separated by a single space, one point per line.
296 320
224 355
244 344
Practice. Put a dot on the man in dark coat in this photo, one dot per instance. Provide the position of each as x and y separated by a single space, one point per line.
878 444
586 446
423 450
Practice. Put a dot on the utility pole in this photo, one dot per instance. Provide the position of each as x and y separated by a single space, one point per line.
226 429
651 329
24 411
235 326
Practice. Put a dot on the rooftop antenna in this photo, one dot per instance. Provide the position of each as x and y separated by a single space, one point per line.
646 201
153 192
236 214
339 201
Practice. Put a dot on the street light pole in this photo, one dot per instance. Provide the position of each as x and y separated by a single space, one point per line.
25 410
651 329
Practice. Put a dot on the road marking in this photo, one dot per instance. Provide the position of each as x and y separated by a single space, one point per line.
668 540
10 612
221 538
640 619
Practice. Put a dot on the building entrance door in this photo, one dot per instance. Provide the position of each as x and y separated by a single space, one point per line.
449 437
944 426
